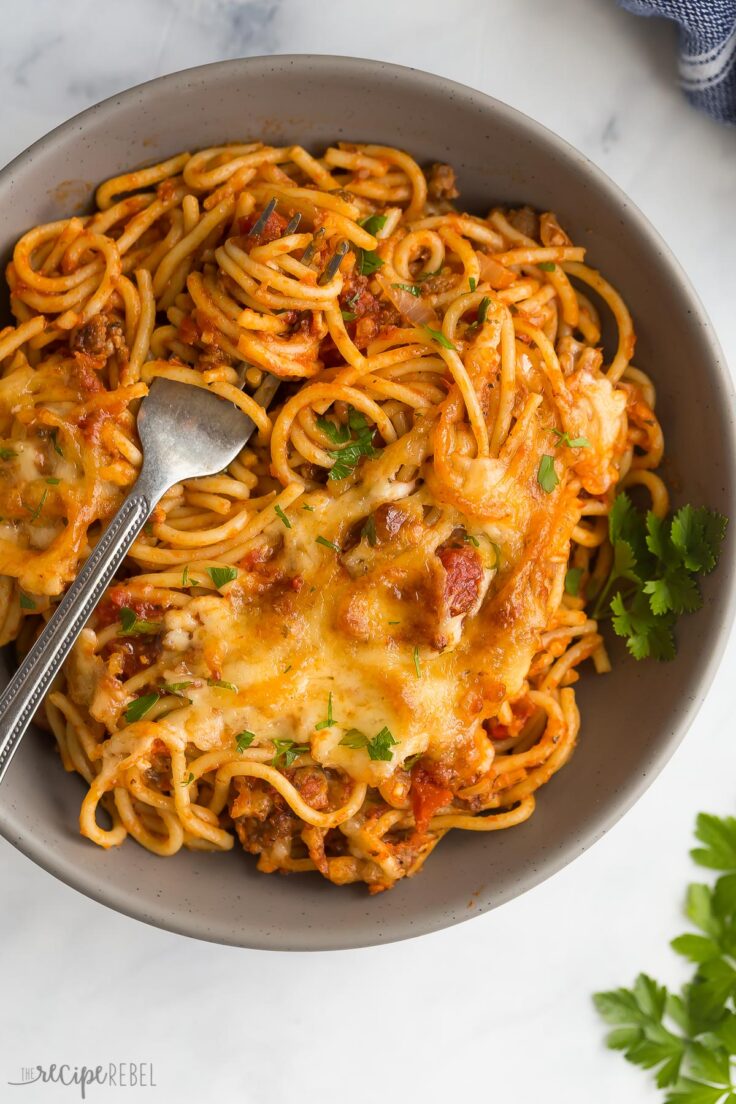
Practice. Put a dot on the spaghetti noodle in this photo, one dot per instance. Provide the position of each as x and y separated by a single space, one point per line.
366 631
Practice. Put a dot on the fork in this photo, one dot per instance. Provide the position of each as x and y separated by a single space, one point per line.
185 432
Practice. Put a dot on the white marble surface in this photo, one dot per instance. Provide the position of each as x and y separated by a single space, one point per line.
498 1008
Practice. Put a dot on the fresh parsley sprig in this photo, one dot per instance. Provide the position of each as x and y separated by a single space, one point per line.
689 1038
378 748
653 578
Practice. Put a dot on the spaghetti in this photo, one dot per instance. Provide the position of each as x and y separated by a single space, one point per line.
366 631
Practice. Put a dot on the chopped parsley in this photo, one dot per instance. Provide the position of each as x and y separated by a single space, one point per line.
176 687
325 543
35 513
413 289
137 709
571 442
222 685
7 453
353 299
52 481
417 662
369 531
428 275
373 223
368 261
440 338
572 581
244 739
329 720
547 266
356 439
188 780
286 751
55 443
185 580
26 602
412 760
310 508
546 475
348 316
656 564
282 516
471 540
222 575
379 748
472 283
132 625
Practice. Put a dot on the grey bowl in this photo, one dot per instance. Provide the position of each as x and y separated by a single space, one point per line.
632 719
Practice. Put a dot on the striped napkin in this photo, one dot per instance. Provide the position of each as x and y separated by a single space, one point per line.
707 50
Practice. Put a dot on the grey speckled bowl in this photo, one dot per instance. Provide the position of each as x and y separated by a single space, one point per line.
632 719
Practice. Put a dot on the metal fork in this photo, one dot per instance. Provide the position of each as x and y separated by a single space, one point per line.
185 432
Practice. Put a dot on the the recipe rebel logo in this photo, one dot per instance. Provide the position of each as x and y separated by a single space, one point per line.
113 1075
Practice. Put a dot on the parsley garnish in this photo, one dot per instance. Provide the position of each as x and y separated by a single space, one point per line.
471 540
655 567
348 316
379 748
428 275
353 299
412 760
26 602
188 780
472 283
185 580
413 289
572 581
137 709
244 739
546 475
222 575
310 508
329 720
547 266
440 338
282 516
7 453
373 223
35 513
286 751
55 443
571 442
325 543
689 1037
483 310
368 261
222 685
175 687
417 663
369 530
53 482
356 439
131 625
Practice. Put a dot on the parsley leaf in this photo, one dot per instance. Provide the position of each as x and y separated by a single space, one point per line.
222 575
413 289
137 709
188 780
689 1038
660 560
7 453
55 443
329 719
440 338
175 687
36 512
222 685
282 516
356 439
244 739
132 625
547 266
286 751
369 531
325 543
571 442
26 602
379 748
348 316
373 223
472 283
547 477
368 261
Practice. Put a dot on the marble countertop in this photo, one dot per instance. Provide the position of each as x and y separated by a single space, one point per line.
501 1006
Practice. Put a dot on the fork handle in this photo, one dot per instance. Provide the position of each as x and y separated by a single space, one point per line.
35 674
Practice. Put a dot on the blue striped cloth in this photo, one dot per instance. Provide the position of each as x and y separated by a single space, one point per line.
707 50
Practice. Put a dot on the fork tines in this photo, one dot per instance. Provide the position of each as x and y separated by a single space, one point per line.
293 225
334 262
260 225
